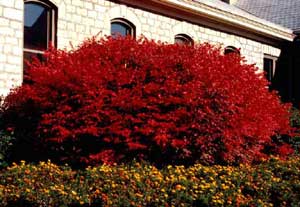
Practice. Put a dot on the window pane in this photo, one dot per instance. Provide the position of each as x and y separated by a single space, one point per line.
118 28
231 50
35 27
28 56
183 40
268 68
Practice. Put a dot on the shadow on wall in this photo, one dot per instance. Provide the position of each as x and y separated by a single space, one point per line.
287 74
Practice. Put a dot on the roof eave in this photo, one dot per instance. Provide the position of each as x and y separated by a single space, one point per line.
297 32
270 29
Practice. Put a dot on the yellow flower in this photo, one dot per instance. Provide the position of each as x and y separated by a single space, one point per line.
178 187
139 195
275 179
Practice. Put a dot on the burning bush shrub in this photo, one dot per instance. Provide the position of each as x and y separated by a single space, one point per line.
115 99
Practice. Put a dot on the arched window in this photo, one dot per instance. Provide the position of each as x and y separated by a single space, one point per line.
226 1
40 18
231 50
122 27
183 39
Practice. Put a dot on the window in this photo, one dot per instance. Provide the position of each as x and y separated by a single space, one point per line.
231 50
226 1
122 27
269 66
39 28
183 39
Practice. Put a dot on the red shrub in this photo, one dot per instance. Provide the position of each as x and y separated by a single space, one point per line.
111 100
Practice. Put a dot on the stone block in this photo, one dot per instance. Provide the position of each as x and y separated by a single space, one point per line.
78 3
6 31
12 59
16 25
12 13
7 3
4 21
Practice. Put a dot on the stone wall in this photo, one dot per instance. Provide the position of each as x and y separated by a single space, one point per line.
81 19
11 44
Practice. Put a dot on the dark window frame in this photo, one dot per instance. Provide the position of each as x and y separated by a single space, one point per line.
129 26
52 17
226 1
270 72
183 39
231 50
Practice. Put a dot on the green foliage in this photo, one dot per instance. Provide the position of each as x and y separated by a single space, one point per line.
295 123
6 140
6 143
272 183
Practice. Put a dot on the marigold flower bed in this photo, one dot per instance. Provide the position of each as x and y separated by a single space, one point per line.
273 183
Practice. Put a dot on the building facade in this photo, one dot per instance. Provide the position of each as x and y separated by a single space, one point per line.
28 27
285 13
